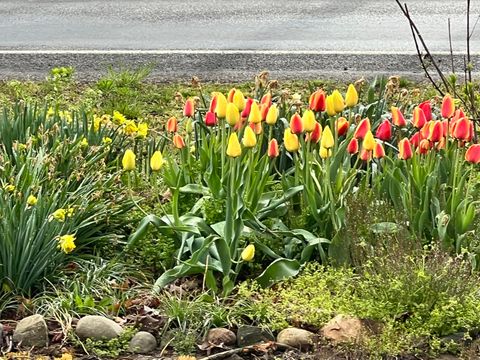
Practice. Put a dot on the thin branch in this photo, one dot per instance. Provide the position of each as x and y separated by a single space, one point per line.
474 26
450 42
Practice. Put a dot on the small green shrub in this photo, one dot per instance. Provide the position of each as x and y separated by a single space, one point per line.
111 349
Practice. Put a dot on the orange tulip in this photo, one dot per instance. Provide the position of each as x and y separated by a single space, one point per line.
435 131
352 146
172 124
248 105
230 95
264 108
384 131
296 124
419 118
448 107
317 101
213 103
342 126
415 139
273 150
473 154
189 108
397 117
461 130
178 141
362 128
316 134
266 99
423 147
365 155
427 109
378 151
405 149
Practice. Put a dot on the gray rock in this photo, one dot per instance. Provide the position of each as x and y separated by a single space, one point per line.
1 335
220 336
31 331
249 335
297 338
344 329
142 343
97 328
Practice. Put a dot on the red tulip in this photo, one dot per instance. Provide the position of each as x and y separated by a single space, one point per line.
178 141
418 119
445 127
365 155
384 131
273 151
317 101
415 139
473 154
189 108
458 114
296 124
448 107
172 124
441 143
246 110
397 117
316 134
266 99
427 109
352 146
362 128
435 131
378 151
264 111
213 103
230 95
461 129
210 119
405 149
342 126
256 127
423 147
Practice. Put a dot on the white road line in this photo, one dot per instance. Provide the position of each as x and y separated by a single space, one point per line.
213 52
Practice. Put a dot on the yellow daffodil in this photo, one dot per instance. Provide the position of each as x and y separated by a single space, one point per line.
96 123
32 200
106 140
128 160
84 143
59 215
118 118
233 148
130 127
142 130
66 243
10 188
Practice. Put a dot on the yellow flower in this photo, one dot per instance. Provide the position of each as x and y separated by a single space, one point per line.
70 211
66 243
249 139
128 160
142 130
50 112
272 115
156 161
118 118
330 106
65 356
106 140
290 140
66 116
248 253
59 215
327 140
233 148
325 153
308 120
338 102
232 115
255 116
84 142
96 123
10 188
221 107
32 200
188 126
239 100
130 127
351 97
368 141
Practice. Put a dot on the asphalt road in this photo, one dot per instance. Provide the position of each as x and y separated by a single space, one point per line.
225 39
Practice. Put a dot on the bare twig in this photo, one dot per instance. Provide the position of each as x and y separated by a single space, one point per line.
450 42
227 353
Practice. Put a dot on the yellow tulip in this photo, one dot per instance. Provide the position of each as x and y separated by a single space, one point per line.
338 102
255 115
368 141
221 107
232 115
233 148
239 100
325 153
290 140
31 200
272 115
327 140
351 97
249 139
248 253
128 161
330 106
308 120
156 161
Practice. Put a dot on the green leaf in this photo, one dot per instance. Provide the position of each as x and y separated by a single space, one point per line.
278 270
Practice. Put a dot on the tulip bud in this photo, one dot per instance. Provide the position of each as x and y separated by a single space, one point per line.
246 111
266 99
308 120
210 119
128 161
461 130
330 106
317 101
327 140
189 108
32 200
418 119
315 135
264 111
423 147
255 116
172 124
233 149
338 102
378 151
248 253
397 117
473 154
156 161
178 141
188 126
232 114
342 126
384 131
365 155
325 153
273 150
362 128
351 97
249 139
352 146
435 132
230 95
296 124
221 108
239 100
272 115
213 102
405 150
415 140
427 109
290 140
448 107
368 141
